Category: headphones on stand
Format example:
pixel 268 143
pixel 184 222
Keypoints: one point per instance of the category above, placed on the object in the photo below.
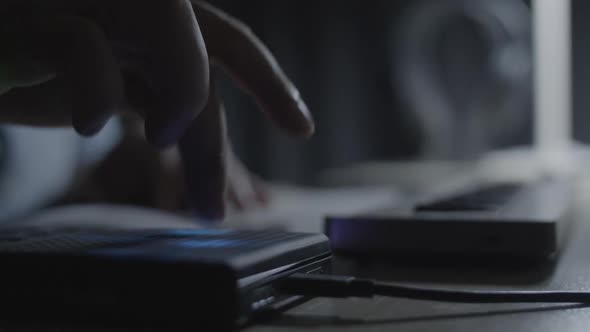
pixel 464 111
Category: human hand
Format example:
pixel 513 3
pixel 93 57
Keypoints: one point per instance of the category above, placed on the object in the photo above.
pixel 78 62
pixel 135 174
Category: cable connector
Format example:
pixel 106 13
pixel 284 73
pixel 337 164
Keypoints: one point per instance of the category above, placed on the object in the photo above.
pixel 323 285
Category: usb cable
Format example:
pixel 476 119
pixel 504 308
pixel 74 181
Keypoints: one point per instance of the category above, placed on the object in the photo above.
pixel 318 285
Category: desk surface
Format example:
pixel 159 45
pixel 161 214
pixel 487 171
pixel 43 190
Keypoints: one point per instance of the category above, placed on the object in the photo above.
pixel 570 272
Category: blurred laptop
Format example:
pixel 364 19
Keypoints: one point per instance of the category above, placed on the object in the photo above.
pixel 512 203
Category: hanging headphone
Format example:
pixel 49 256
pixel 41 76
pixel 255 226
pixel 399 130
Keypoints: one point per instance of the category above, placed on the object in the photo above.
pixel 497 106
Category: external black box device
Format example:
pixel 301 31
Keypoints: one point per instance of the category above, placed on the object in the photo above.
pixel 218 279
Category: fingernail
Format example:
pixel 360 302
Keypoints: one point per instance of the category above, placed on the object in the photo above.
pixel 308 126
pixel 303 123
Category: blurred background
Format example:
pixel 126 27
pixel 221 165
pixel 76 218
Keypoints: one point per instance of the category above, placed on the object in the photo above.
pixel 390 80
pixel 404 80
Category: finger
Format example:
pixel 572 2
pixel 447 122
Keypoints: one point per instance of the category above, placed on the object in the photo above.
pixel 202 149
pixel 170 187
pixel 174 61
pixel 239 186
pixel 263 194
pixel 82 58
pixel 235 200
pixel 47 104
pixel 245 190
pixel 245 57
pixel 247 193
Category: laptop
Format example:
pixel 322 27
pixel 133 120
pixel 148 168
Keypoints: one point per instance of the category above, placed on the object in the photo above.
pixel 502 217
pixel 513 220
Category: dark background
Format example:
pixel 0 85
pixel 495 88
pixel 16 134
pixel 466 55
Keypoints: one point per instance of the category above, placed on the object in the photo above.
pixel 337 54
pixel 340 55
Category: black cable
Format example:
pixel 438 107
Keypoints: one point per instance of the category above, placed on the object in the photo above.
pixel 342 287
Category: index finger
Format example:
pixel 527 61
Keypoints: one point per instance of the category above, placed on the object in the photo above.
pixel 232 45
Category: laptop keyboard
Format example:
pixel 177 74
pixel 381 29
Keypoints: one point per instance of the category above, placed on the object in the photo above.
pixel 64 241
pixel 483 199
pixel 60 243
